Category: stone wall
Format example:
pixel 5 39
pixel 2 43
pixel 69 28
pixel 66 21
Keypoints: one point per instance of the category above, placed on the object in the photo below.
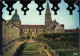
pixel 3 31
pixel 10 32
pixel 11 48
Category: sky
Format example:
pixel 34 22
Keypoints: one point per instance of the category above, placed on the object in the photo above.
pixel 32 16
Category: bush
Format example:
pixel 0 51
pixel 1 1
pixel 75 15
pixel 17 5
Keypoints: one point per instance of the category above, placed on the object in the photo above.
pixel 71 39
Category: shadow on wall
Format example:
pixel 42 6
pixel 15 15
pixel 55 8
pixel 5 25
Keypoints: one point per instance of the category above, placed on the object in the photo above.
pixel 19 50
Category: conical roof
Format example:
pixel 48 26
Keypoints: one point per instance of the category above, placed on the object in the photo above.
pixel 15 17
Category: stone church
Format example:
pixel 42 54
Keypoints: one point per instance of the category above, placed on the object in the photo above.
pixel 49 27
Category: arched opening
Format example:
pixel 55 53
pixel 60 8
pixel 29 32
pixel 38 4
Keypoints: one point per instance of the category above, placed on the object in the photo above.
pixel 36 31
pixel 25 33
pixel 29 30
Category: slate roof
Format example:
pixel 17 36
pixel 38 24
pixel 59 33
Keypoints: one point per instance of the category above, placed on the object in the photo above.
pixel 15 17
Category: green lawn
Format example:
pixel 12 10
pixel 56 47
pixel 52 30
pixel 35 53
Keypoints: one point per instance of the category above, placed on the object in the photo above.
pixel 31 49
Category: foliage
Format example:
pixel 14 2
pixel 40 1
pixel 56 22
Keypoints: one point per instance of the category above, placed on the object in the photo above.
pixel 28 37
pixel 66 53
pixel 54 45
pixel 40 37
pixel 69 39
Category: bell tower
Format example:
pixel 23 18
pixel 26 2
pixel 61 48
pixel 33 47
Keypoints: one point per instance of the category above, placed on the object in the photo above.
pixel 48 16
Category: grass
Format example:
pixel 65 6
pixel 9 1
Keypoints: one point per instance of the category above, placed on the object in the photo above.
pixel 31 49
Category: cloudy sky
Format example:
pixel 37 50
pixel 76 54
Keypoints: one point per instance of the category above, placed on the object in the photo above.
pixel 33 17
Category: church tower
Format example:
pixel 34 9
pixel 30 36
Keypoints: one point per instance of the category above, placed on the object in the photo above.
pixel 15 19
pixel 48 16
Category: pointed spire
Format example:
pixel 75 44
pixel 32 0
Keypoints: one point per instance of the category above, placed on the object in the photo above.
pixel 47 4
pixel 47 8
pixel 16 11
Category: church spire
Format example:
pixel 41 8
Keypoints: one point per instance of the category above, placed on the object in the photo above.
pixel 16 11
pixel 48 19
pixel 47 8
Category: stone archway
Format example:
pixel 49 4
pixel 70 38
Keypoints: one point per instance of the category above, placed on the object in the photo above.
pixel 33 33
pixel 25 33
